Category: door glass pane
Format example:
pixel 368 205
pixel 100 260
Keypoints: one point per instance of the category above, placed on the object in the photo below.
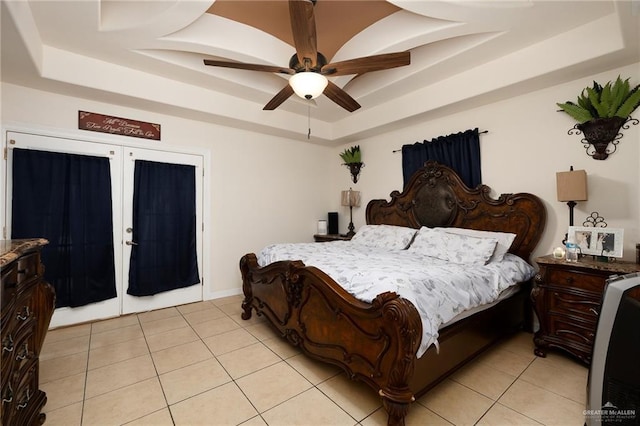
pixel 66 198
pixel 163 252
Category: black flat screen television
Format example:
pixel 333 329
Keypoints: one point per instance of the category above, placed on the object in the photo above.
pixel 613 388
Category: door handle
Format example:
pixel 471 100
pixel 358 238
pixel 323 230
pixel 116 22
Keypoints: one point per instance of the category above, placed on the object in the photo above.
pixel 131 243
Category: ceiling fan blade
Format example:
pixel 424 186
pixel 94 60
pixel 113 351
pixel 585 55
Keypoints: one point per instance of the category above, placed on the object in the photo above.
pixel 339 96
pixel 279 98
pixel 250 67
pixel 367 64
pixel 303 26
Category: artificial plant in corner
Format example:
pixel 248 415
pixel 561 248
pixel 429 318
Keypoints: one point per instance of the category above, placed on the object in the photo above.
pixel 601 111
pixel 352 158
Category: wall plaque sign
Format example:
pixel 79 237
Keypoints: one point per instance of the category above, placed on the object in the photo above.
pixel 117 126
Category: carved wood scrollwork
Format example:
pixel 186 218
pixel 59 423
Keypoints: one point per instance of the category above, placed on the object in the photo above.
pixel 401 312
pixel 377 342
pixel 365 343
pixel 437 197
pixel 293 288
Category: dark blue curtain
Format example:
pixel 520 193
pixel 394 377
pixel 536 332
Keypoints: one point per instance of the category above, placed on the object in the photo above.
pixel 460 151
pixel 66 198
pixel 164 228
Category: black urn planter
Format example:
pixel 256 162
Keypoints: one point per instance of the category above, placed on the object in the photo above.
pixel 599 133
pixel 354 168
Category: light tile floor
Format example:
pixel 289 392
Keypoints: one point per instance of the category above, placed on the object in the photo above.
pixel 201 364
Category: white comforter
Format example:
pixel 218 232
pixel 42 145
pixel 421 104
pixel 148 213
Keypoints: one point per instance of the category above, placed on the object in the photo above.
pixel 439 290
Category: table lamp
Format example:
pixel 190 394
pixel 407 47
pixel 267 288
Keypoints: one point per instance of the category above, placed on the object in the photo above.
pixel 351 198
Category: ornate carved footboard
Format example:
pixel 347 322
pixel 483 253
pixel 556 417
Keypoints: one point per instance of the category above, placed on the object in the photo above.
pixel 377 342
pixel 373 342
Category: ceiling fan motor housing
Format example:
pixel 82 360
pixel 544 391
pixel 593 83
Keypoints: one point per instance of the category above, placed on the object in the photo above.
pixel 295 64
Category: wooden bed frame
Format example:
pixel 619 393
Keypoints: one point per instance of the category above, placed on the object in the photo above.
pixel 377 342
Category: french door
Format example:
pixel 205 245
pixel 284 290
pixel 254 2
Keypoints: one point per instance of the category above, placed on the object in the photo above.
pixel 122 167
pixel 134 159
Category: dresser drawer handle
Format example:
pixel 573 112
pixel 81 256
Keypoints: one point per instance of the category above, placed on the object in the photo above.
pixel 569 280
pixel 8 395
pixel 25 316
pixel 8 346
pixel 24 402
pixel 596 313
pixel 24 354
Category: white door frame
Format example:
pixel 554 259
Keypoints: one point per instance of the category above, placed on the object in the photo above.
pixel 122 142
pixel 131 304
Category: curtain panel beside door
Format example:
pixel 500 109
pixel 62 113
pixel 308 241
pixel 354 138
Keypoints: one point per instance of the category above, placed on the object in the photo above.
pixel 66 198
pixel 163 252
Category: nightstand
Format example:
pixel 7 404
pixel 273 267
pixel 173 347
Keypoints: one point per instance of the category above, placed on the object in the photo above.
pixel 566 298
pixel 323 238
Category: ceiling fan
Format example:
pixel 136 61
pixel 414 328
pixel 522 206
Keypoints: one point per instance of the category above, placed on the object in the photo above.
pixel 308 67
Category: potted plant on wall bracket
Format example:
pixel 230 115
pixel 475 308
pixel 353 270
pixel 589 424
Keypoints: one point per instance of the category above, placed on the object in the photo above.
pixel 600 112
pixel 352 158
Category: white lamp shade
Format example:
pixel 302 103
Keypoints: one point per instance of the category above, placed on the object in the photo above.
pixel 351 198
pixel 308 84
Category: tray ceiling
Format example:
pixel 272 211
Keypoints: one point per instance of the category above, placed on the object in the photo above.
pixel 148 54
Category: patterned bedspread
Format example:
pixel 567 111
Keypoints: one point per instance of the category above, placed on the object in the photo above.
pixel 438 289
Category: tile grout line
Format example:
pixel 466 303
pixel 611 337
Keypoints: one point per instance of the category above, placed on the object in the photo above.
pixel 287 361
pixel 86 375
pixel 157 375
pixel 233 380
pixel 507 389
pixel 260 414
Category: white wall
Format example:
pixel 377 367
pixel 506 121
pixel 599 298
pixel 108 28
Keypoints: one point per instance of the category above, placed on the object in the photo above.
pixel 265 189
pixel 262 189
pixel 526 145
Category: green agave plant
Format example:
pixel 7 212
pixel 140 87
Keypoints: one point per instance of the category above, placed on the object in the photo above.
pixel 611 100
pixel 351 155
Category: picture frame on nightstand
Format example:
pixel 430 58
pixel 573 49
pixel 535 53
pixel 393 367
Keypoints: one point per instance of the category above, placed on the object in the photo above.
pixel 606 242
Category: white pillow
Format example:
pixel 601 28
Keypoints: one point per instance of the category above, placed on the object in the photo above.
pixel 384 236
pixel 455 248
pixel 505 239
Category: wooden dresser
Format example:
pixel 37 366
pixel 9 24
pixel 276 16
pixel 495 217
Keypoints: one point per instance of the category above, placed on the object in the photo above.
pixel 27 306
pixel 566 298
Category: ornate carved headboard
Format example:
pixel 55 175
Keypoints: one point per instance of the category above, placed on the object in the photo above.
pixel 436 197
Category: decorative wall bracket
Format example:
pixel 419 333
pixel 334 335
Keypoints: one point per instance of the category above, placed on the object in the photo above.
pixel 601 135
pixel 595 220
pixel 354 168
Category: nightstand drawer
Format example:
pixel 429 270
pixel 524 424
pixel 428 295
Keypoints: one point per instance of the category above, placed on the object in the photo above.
pixel 566 299
pixel 570 330
pixel 574 304
pixel 576 279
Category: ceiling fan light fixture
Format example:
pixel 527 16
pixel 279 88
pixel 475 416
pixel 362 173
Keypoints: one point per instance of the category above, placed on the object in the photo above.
pixel 308 84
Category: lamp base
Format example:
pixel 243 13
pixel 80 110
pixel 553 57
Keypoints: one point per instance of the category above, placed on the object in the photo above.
pixel 351 228
pixel 571 205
